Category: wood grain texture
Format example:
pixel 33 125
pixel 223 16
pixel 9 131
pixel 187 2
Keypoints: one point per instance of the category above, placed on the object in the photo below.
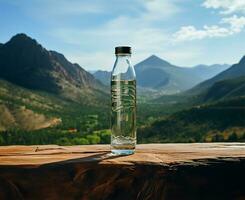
pixel 155 171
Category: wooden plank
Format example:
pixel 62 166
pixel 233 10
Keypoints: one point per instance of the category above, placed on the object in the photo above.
pixel 155 171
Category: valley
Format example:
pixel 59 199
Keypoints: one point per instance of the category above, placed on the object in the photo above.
pixel 46 99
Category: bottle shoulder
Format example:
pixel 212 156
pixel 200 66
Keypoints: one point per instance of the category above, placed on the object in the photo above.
pixel 123 69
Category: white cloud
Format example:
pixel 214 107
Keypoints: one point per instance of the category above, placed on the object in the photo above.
pixel 236 23
pixel 187 33
pixel 191 33
pixel 228 6
pixel 227 25
pixel 87 31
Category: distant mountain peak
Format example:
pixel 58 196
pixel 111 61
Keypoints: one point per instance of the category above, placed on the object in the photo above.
pixel 21 40
pixel 22 37
pixel 154 60
pixel 242 61
pixel 153 57
pixel 23 61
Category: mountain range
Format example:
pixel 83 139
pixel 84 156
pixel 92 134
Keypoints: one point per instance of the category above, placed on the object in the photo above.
pixel 214 111
pixel 42 87
pixel 226 84
pixel 235 71
pixel 157 74
pixel 24 62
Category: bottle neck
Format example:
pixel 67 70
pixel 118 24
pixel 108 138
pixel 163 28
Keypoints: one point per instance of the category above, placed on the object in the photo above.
pixel 123 56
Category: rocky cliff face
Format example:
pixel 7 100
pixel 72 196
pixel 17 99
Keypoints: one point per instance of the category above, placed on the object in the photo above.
pixel 25 62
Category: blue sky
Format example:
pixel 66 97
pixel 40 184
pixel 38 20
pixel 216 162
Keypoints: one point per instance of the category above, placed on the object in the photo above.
pixel 184 32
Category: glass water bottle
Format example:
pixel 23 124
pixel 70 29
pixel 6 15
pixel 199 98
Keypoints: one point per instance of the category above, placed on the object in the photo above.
pixel 123 103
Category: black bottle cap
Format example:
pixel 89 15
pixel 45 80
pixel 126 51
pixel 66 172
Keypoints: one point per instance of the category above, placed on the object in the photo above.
pixel 123 50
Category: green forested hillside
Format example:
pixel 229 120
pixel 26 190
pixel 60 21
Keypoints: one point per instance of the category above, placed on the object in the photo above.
pixel 33 117
pixel 220 121
pixel 220 90
pixel 225 89
pixel 16 102
pixel 42 92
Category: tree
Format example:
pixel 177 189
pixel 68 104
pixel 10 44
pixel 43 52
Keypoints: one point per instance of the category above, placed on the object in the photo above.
pixel 93 139
pixel 232 137
pixel 80 141
pixel 63 141
pixel 105 137
pixel 2 141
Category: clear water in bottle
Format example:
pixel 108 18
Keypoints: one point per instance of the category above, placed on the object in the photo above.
pixel 123 115
pixel 123 106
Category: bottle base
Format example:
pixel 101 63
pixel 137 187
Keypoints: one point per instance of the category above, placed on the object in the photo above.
pixel 122 151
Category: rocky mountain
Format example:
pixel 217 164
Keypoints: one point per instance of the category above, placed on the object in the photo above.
pixel 42 89
pixel 24 62
pixel 159 74
pixel 156 74
pixel 21 108
pixel 226 85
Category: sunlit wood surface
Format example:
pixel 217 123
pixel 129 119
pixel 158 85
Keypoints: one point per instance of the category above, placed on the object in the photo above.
pixel 155 171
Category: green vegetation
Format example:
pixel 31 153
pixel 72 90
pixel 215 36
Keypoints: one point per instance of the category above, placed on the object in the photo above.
pixel 170 121
pixel 150 112
pixel 225 89
pixel 54 136
pixel 216 122
pixel 75 123
pixel 73 115
pixel 79 124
